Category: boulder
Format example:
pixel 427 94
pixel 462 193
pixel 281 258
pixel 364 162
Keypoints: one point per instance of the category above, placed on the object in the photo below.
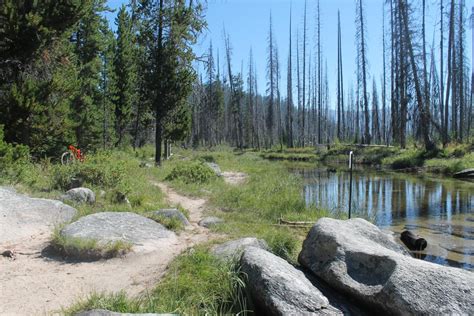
pixel 233 249
pixel 278 288
pixel 25 216
pixel 79 195
pixel 215 167
pixel 358 259
pixel 103 312
pixel 172 213
pixel 108 227
pixel 210 221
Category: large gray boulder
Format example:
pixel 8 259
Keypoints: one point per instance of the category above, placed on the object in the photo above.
pixel 108 227
pixel 22 216
pixel 210 221
pixel 278 288
pixel 79 195
pixel 357 259
pixel 233 249
pixel 171 213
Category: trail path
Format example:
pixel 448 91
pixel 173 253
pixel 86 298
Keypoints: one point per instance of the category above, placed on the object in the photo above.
pixel 39 283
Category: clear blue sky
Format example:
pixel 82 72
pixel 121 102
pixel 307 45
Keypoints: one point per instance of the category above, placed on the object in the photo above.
pixel 247 23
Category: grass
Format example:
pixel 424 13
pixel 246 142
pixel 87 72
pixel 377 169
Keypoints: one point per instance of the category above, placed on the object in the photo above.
pixel 172 223
pixel 197 284
pixel 89 249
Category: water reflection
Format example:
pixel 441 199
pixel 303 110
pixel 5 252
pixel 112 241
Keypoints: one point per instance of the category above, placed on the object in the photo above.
pixel 439 210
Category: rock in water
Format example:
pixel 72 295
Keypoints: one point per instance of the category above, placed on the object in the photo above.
pixel 233 249
pixel 132 228
pixel 413 241
pixel 356 258
pixel 172 213
pixel 210 221
pixel 23 217
pixel 278 288
pixel 215 167
pixel 80 195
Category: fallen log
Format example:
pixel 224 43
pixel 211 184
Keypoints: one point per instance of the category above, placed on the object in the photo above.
pixel 413 241
pixel 466 173
pixel 282 222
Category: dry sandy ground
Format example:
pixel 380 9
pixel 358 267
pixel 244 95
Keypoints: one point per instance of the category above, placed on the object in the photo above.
pixel 38 283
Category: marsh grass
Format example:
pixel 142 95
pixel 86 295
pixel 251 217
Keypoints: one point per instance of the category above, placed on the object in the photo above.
pixel 88 249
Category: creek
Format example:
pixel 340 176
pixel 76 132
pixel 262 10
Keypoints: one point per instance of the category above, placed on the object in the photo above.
pixel 441 210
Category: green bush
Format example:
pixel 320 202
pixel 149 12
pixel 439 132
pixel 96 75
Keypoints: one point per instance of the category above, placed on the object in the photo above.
pixel 192 172
pixel 14 159
pixel 101 170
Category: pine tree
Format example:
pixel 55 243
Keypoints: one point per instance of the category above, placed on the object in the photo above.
pixel 89 43
pixel 125 72
pixel 38 76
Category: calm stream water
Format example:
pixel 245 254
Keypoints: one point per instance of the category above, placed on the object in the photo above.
pixel 439 210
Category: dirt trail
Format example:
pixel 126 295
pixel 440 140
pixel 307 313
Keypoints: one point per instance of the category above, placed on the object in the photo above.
pixel 38 283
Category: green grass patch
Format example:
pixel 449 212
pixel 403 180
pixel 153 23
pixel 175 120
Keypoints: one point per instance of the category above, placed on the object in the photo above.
pixel 171 223
pixel 88 249
pixel 451 165
pixel 191 172
pixel 197 283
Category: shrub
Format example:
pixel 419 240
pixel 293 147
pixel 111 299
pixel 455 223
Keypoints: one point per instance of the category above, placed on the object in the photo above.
pixel 100 170
pixel 192 172
pixel 14 159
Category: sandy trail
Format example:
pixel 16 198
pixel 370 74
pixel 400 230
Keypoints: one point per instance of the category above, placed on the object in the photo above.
pixel 39 283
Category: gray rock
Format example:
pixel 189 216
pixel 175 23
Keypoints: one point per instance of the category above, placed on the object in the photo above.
pixel 22 216
pixel 210 221
pixel 233 249
pixel 172 213
pixel 356 258
pixel 215 167
pixel 278 288
pixel 106 227
pixel 79 195
pixel 145 165
pixel 103 312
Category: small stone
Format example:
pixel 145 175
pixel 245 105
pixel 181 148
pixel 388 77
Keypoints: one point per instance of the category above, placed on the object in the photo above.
pixel 210 221
pixel 172 213
pixel 79 195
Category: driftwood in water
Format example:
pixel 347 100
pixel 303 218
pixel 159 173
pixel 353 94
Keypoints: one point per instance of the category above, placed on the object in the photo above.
pixel 413 241
pixel 467 173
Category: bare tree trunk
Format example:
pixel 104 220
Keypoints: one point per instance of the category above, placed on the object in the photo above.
pixel 304 79
pixel 425 118
pixel 289 99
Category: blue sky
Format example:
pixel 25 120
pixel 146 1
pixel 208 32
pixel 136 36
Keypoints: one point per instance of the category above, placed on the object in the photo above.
pixel 247 23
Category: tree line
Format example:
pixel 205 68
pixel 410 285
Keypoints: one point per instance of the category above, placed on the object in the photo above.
pixel 424 93
pixel 67 78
